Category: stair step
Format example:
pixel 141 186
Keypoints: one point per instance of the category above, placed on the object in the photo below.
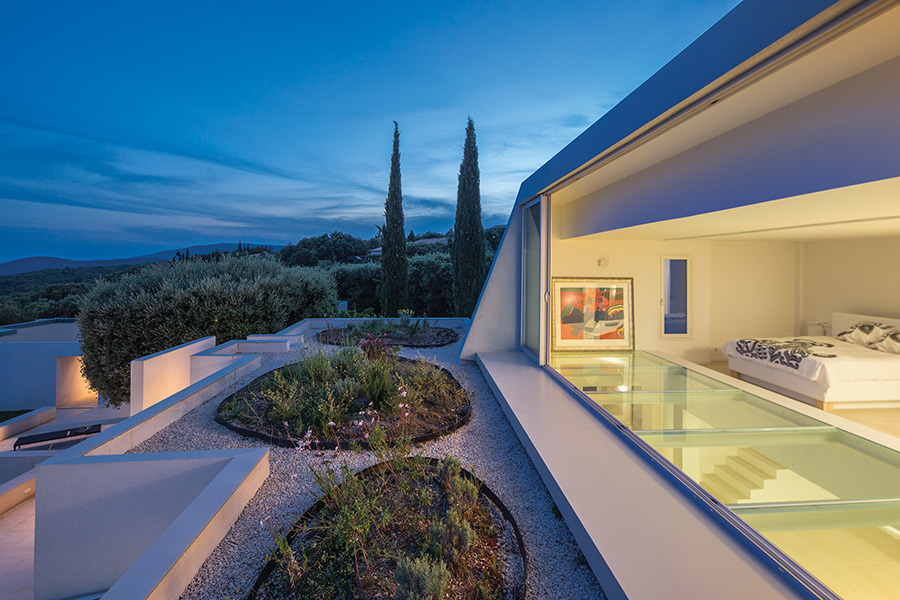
pixel 761 462
pixel 736 480
pixel 748 470
pixel 720 489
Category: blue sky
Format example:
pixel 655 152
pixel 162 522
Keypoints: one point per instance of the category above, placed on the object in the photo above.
pixel 132 127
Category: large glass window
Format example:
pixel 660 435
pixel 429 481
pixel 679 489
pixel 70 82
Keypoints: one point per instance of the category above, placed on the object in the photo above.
pixel 675 296
pixel 531 274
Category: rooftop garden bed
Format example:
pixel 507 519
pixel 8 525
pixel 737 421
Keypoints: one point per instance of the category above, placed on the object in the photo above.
pixel 407 528
pixel 337 400
pixel 405 331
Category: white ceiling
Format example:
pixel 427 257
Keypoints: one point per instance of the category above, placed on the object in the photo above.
pixel 866 210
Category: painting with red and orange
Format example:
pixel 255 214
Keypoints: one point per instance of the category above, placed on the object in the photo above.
pixel 582 305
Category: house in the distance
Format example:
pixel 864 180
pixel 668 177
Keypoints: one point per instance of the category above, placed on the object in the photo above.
pixel 750 189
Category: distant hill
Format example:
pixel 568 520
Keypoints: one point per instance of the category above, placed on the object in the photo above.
pixel 39 263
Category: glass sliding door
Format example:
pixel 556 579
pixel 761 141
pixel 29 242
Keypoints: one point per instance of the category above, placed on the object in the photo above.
pixel 532 278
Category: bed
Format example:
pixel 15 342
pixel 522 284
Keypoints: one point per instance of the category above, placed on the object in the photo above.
pixel 821 370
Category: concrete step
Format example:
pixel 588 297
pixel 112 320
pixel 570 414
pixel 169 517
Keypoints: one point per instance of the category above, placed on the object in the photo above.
pixel 736 480
pixel 748 470
pixel 761 462
pixel 720 489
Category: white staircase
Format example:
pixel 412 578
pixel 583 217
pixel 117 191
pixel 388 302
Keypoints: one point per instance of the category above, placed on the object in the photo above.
pixel 750 477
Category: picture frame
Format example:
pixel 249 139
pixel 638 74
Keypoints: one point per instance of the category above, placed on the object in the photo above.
pixel 592 313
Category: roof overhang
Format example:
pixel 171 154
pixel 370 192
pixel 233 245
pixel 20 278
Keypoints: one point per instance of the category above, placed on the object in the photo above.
pixel 760 56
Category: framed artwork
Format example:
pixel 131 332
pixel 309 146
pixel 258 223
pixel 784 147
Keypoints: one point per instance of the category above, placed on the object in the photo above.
pixel 592 314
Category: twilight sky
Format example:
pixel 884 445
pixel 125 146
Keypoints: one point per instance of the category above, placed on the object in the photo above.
pixel 130 127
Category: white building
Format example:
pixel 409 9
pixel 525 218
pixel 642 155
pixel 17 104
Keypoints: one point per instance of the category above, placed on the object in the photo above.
pixel 749 189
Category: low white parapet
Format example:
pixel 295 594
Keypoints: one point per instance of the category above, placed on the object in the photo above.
pixel 137 525
pixel 159 375
pixel 29 420
pixel 17 476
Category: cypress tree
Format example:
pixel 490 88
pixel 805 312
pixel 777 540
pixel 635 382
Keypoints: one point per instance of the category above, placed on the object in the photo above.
pixel 467 251
pixel 394 262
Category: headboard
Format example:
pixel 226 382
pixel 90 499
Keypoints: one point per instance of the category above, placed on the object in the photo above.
pixel 844 321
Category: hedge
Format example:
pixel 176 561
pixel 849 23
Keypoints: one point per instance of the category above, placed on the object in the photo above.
pixel 359 285
pixel 165 305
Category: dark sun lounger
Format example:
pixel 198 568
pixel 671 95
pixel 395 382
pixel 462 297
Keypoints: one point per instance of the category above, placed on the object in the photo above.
pixel 62 434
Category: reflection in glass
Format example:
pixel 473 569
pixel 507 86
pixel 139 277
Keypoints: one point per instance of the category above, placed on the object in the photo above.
pixel 675 296
pixel 531 331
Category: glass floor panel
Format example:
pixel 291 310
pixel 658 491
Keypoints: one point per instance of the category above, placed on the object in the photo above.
pixel 827 498
pixel 852 548
pixel 680 411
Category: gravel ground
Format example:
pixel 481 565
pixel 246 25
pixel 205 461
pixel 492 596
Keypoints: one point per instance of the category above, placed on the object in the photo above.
pixel 486 445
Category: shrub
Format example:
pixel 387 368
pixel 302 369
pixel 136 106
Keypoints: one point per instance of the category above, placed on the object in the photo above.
pixel 165 305
pixel 380 388
pixel 418 579
pixel 430 292
pixel 450 537
pixel 359 285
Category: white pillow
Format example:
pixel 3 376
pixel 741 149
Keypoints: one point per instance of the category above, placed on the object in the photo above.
pixel 864 333
pixel 890 342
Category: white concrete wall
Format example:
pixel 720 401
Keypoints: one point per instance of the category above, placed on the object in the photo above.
pixel 642 261
pixel 855 276
pixel 94 518
pixel 29 420
pixel 13 464
pixel 497 318
pixel 753 291
pixel 162 374
pixel 192 537
pixel 71 386
pixel 28 372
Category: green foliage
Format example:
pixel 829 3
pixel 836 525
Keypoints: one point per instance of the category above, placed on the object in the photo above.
pixel 346 390
pixel 359 286
pixel 468 241
pixel 348 362
pixel 165 305
pixel 463 492
pixel 47 278
pixel 448 469
pixel 426 249
pixel 450 537
pixel 380 388
pixel 320 393
pixel 329 247
pixel 6 415
pixel 44 301
pixel 375 348
pixel 418 579
pixel 428 278
pixel 317 369
pixel 394 261
pixel 492 238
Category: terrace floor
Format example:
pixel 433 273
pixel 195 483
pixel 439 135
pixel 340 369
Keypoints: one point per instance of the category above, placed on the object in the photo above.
pixel 17 557
pixel 17 524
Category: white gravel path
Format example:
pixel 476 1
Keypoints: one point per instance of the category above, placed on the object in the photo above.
pixel 486 445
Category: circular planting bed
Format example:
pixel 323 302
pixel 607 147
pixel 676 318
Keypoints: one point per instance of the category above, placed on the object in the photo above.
pixel 410 527
pixel 348 399
pixel 412 333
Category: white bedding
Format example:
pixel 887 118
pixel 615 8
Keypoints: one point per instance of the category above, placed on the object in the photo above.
pixel 839 361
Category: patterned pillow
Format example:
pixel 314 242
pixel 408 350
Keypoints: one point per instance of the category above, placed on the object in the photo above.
pixel 890 342
pixel 864 333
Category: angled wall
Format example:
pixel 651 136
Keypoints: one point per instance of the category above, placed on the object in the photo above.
pixel 497 317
